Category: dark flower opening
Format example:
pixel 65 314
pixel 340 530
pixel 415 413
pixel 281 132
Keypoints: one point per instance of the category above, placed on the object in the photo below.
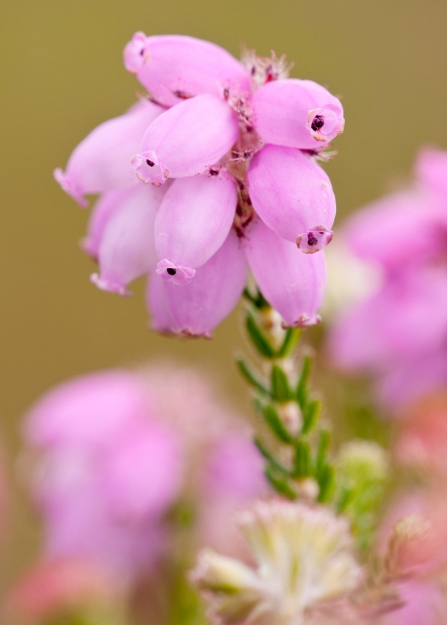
pixel 317 122
pixel 171 271
pixel 150 163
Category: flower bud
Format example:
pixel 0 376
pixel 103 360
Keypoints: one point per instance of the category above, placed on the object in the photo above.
pixel 292 195
pixel 193 221
pixel 187 140
pixel 101 162
pixel 292 283
pixel 127 249
pixel 195 309
pixel 297 113
pixel 176 67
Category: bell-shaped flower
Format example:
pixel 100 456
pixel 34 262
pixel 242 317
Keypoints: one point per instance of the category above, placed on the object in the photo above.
pixel 194 220
pixel 297 113
pixel 293 196
pixel 195 309
pixel 101 162
pixel 294 284
pixel 186 140
pixel 127 249
pixel 177 67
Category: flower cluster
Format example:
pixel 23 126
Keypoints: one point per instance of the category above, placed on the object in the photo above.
pixel 108 465
pixel 399 332
pixel 214 172
pixel 303 556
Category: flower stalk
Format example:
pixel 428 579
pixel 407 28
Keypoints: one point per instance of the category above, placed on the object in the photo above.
pixel 297 459
pixel 296 445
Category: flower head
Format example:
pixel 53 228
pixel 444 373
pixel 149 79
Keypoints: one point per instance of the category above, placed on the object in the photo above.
pixel 110 455
pixel 303 557
pixel 211 174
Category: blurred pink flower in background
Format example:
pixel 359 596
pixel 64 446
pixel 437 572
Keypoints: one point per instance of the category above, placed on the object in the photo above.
pixel 222 469
pixel 424 604
pixel 226 155
pixel 422 439
pixel 107 471
pixel 399 333
pixel 111 454
pixel 412 537
pixel 61 589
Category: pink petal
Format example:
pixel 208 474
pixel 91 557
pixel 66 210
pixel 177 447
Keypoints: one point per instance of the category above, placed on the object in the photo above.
pixel 101 162
pixel 411 379
pixel 423 604
pixel 235 469
pixel 195 309
pixel 176 67
pixel 127 247
pixel 292 195
pixel 87 410
pixel 141 472
pixel 103 210
pixel 78 523
pixel 294 284
pixel 401 229
pixel 406 319
pixel 186 140
pixel 194 220
pixel 297 113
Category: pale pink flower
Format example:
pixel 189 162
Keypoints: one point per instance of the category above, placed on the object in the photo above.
pixel 110 455
pixel 399 332
pixel 237 143
pixel 106 471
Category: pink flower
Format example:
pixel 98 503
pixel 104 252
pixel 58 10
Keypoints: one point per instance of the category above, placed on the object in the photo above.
pixel 237 144
pixel 107 471
pixel 101 162
pixel 110 455
pixel 399 333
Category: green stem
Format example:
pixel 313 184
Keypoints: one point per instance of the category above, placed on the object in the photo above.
pixel 295 447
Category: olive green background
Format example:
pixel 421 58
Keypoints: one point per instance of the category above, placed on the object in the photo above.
pixel 62 74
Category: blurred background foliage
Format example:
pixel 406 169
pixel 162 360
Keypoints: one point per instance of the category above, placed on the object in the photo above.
pixel 62 74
